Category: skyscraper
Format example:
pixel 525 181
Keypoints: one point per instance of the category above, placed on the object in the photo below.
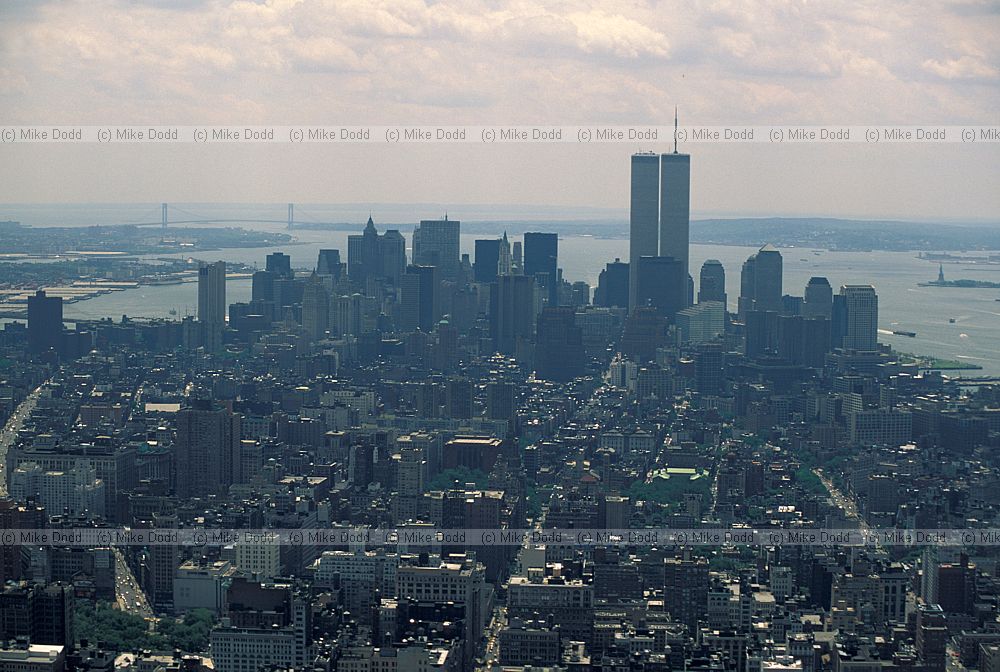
pixel 644 215
pixel 505 261
pixel 512 312
pixel 315 308
pixel 206 450
pixel 420 300
pixel 675 206
pixel 212 294
pixel 613 285
pixel 712 282
pixel 436 243
pixel 861 307
pixel 392 250
pixel 818 298
pixel 760 282
pixel 45 314
pixel 559 354
pixel 328 263
pixel 541 254
pixel 659 212
pixel 280 264
pixel 487 260
pixel 662 284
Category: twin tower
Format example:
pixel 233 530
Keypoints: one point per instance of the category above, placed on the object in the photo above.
pixel 660 215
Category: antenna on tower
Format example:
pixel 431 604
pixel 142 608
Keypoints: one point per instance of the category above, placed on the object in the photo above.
pixel 675 129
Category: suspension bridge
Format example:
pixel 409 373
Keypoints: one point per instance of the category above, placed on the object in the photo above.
pixel 172 214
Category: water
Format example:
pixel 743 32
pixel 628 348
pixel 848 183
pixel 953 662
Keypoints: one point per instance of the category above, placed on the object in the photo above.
pixel 974 337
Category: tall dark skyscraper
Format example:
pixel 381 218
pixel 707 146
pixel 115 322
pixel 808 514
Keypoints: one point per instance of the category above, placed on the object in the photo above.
pixel 760 282
pixel 420 300
pixel 212 303
pixel 662 284
pixel 329 263
pixel 613 285
pixel 659 211
pixel 371 255
pixel 487 260
pixel 559 353
pixel 315 308
pixel 212 293
pixel 675 207
pixel 280 264
pixel 207 449
pixel 392 250
pixel 818 298
pixel 644 215
pixel 541 261
pixel 712 282
pixel 436 243
pixel 512 312
pixel 45 314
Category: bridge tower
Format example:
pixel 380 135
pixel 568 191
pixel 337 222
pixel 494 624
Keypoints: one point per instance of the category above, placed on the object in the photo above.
pixel 163 214
pixel 291 215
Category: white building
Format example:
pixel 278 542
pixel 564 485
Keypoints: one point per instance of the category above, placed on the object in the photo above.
pixel 76 491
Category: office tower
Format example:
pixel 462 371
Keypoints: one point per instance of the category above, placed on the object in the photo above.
pixel 512 312
pixel 675 207
pixel 712 282
pixel 212 302
pixel 661 284
pixel 206 449
pixel 644 216
pixel 861 309
pixel 436 243
pixel 838 321
pixel 262 286
pixel 709 362
pixel 500 400
pixel 685 590
pixel 760 333
pixel 705 321
pixel 517 257
pixel 280 264
pixel 645 331
pixel 463 584
pixel 559 354
pixel 315 308
pixel 760 282
pixel 613 285
pixel 329 264
pixel 487 261
pixel 580 294
pixel 392 250
pixel 541 253
pixel 458 398
pixel 791 305
pixel 363 261
pixel 816 341
pixel 420 298
pixel 932 637
pixel 505 262
pixel 45 314
pixel 659 212
pixel 817 300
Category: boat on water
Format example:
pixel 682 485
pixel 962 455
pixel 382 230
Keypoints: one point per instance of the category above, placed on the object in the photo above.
pixel 903 332
pixel 951 320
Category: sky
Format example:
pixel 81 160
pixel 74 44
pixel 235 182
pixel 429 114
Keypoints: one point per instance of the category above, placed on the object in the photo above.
pixel 286 62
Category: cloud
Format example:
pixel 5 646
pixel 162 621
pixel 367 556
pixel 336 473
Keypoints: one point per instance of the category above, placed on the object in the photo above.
pixel 479 61
pixel 963 67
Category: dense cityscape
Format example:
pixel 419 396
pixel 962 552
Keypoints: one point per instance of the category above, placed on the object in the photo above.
pixel 287 483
